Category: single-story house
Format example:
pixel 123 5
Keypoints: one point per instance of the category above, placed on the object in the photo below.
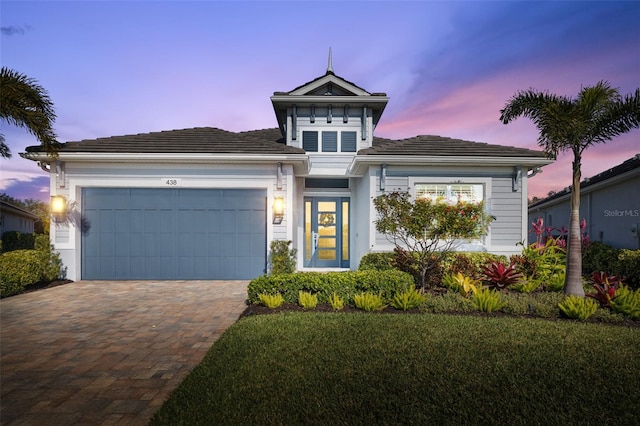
pixel 205 203
pixel 609 203
pixel 14 218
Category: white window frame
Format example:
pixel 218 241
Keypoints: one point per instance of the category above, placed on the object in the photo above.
pixel 330 128
pixel 486 182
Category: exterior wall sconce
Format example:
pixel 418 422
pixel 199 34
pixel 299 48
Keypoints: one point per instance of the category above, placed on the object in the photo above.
pixel 58 206
pixel 278 210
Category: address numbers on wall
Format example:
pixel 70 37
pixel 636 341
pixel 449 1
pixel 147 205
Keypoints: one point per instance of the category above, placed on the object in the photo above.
pixel 172 182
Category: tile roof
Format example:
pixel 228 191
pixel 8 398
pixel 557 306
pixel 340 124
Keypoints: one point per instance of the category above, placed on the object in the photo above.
pixel 429 145
pixel 196 140
pixel 270 141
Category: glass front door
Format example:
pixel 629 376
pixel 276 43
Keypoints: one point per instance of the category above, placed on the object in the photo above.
pixel 326 232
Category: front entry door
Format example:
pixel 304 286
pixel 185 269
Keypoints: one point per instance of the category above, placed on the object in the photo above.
pixel 326 232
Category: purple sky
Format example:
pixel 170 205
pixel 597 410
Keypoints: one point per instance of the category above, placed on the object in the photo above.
pixel 115 68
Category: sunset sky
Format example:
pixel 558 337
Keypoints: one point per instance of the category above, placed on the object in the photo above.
pixel 116 67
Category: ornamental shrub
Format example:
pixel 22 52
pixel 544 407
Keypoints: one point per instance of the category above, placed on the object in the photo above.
pixel 283 258
pixel 343 284
pixel 428 229
pixel 627 302
pixel 336 302
pixel 409 299
pixel 271 301
pixel 622 262
pixel 628 266
pixel 368 301
pixel 307 300
pixel 21 268
pixel 486 300
pixel 599 256
pixel 14 240
pixel 377 261
pixel 575 307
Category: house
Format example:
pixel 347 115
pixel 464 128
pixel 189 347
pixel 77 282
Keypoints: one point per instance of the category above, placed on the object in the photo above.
pixel 205 203
pixel 14 218
pixel 609 203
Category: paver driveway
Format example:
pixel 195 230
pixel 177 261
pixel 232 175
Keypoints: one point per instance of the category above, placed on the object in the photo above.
pixel 103 352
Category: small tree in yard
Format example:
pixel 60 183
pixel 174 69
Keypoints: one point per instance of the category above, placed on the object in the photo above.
pixel 428 229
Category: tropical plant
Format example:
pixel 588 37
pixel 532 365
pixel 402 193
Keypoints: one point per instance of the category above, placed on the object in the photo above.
pixel 271 301
pixel 427 229
pixel 576 307
pixel 369 302
pixel 627 302
pixel 24 103
pixel 605 287
pixel 462 284
pixel 487 300
pixel 496 274
pixel 409 299
pixel 597 115
pixel 283 258
pixel 527 285
pixel 336 302
pixel 307 300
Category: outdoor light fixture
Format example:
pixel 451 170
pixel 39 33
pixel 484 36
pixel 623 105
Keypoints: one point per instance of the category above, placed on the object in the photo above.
pixel 58 205
pixel 278 210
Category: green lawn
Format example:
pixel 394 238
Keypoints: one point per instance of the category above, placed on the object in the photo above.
pixel 422 369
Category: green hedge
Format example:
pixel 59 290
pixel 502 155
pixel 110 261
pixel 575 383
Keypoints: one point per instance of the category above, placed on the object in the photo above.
pixel 344 284
pixel 622 262
pixel 20 268
pixel 14 240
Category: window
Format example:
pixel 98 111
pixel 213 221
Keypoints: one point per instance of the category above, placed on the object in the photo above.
pixel 326 183
pixel 348 141
pixel 451 193
pixel 310 141
pixel 329 141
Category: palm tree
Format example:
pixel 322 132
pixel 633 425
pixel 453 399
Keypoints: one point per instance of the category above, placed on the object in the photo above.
pixel 597 115
pixel 24 103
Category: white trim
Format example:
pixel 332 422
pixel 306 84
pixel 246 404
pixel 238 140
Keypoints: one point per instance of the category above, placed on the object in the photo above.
pixel 360 163
pixel 75 194
pixel 300 162
pixel 485 240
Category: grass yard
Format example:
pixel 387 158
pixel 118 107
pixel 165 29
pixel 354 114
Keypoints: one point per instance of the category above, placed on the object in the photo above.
pixel 423 369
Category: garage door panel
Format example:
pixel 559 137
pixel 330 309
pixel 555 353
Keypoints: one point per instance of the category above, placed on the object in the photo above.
pixel 174 233
pixel 112 198
pixel 122 244
pixel 166 247
pixel 122 221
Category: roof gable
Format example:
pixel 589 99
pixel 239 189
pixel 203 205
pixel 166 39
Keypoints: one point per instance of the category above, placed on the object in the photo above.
pixel 327 85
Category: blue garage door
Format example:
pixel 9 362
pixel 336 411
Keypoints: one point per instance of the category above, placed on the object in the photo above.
pixel 169 234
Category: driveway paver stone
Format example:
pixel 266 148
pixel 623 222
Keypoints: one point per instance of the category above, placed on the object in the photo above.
pixel 106 352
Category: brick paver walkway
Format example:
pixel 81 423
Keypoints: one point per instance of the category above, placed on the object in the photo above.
pixel 101 352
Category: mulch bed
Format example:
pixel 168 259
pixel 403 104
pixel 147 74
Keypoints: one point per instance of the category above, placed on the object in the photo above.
pixel 42 285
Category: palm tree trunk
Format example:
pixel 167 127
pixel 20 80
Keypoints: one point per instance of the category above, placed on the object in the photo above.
pixel 573 279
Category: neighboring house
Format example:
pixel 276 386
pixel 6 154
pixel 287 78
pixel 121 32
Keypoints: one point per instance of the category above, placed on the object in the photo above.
pixel 14 218
pixel 204 203
pixel 609 203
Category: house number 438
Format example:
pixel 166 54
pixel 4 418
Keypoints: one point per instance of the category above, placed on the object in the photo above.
pixel 172 181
